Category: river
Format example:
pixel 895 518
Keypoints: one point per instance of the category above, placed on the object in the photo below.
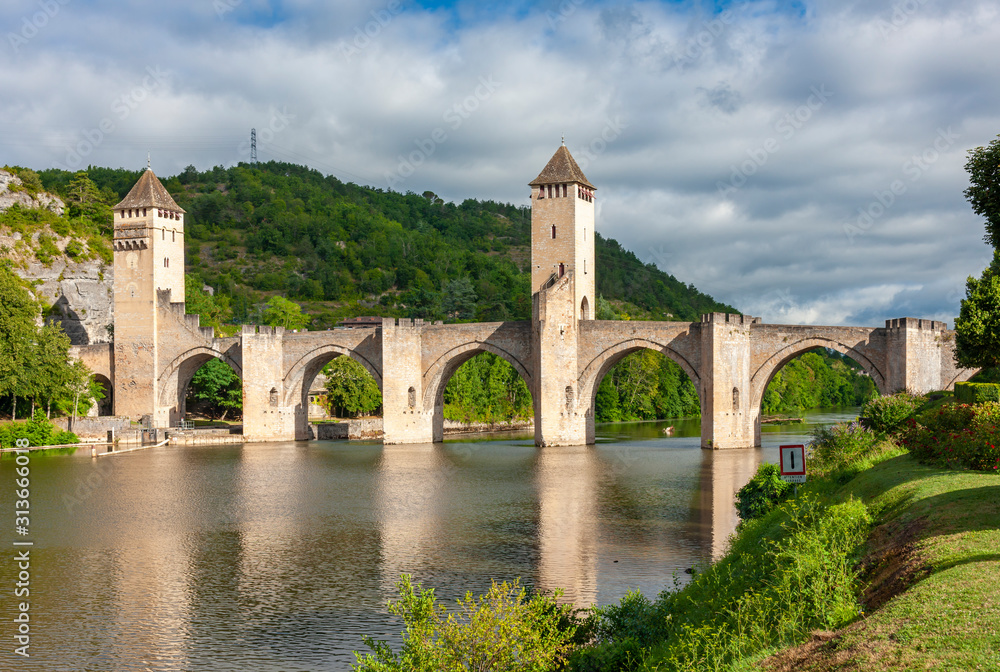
pixel 280 556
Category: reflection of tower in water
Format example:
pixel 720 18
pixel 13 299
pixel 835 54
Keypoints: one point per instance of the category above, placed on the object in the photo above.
pixel 408 488
pixel 723 473
pixel 567 529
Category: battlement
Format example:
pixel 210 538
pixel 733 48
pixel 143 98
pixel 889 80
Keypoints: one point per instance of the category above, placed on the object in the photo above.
pixel 729 318
pixel 261 329
pixel 404 322
pixel 915 323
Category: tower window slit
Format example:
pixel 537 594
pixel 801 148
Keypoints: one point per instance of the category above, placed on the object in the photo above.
pixel 553 231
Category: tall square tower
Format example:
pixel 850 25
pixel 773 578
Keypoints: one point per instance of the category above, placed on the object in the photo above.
pixel 562 229
pixel 148 256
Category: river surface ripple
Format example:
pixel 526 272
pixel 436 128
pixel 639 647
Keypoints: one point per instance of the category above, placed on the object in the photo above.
pixel 280 556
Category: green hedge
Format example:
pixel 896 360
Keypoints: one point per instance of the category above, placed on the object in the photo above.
pixel 977 393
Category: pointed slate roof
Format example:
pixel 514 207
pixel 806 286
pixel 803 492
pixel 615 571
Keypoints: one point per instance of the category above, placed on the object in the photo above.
pixel 561 168
pixel 148 192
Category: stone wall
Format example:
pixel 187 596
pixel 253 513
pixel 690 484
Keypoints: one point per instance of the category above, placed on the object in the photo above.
pixel 359 429
pixel 93 428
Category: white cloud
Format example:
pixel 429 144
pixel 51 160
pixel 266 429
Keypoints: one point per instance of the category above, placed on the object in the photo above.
pixel 697 100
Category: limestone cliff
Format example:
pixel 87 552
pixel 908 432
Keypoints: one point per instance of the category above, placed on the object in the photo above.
pixel 79 287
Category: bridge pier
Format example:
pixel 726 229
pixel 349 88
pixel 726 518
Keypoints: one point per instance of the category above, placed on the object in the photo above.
pixel 728 419
pixel 561 415
pixel 265 416
pixel 406 416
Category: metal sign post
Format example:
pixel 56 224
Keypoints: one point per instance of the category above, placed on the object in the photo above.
pixel 793 464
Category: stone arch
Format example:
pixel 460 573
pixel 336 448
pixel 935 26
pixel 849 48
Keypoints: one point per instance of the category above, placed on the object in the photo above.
pixel 177 375
pixel 760 378
pixel 436 378
pixel 105 406
pixel 443 368
pixel 961 376
pixel 301 374
pixel 585 309
pixel 595 371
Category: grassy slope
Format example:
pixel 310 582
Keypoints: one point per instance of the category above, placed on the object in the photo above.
pixel 938 542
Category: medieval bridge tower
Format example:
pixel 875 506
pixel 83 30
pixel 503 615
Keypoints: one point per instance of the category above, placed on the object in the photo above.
pixel 562 353
pixel 148 258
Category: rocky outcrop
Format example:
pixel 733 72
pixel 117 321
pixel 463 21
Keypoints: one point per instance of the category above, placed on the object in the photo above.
pixel 81 295
pixel 12 191
pixel 80 292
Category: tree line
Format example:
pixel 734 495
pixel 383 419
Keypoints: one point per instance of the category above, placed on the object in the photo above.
pixel 343 250
pixel 35 368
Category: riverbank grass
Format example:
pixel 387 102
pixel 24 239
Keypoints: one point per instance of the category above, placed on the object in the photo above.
pixel 880 562
pixel 934 560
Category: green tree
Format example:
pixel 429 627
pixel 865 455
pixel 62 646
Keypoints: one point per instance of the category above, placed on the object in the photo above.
pixel 280 312
pixel 487 389
pixel 350 389
pixel 214 310
pixel 217 385
pixel 459 300
pixel 86 200
pixel 977 328
pixel 34 361
pixel 983 166
pixel 18 311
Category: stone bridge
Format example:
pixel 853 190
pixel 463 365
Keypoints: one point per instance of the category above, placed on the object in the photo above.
pixel 729 358
pixel 561 353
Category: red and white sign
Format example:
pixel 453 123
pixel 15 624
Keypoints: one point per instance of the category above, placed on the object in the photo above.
pixel 793 464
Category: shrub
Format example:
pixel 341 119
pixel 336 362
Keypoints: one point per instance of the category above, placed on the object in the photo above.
pixel 841 444
pixel 37 430
pixel 886 414
pixel 74 249
pixel 787 574
pixel 622 632
pixel 764 491
pixel 502 630
pixel 957 436
pixel 98 246
pixel 977 393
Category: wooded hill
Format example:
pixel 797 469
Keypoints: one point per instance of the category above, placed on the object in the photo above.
pixel 343 250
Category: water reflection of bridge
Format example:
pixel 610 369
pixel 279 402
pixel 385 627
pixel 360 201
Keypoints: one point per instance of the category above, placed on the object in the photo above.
pixel 593 506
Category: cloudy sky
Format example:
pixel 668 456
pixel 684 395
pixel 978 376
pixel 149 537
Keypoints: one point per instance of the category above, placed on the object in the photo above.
pixel 801 161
